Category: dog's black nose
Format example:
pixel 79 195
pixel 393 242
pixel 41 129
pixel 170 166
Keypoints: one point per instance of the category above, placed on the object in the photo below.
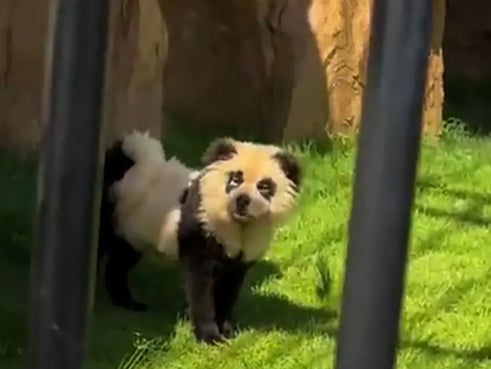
pixel 242 201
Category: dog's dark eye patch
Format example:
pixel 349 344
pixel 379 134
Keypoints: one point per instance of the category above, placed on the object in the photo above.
pixel 235 179
pixel 266 187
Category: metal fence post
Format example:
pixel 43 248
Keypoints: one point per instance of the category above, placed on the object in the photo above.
pixel 62 268
pixel 384 184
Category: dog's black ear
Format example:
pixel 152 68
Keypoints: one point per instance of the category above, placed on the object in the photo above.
pixel 290 166
pixel 220 149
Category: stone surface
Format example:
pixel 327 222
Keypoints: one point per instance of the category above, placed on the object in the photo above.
pixel 134 89
pixel 214 72
pixel 467 55
pixel 286 69
pixel 467 40
pixel 137 53
pixel 307 79
pixel 434 97
pixel 23 27
pixel 340 32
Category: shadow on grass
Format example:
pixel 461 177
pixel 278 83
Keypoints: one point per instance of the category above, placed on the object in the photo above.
pixel 432 242
pixel 448 302
pixel 428 183
pixel 253 310
pixel 471 214
pixel 267 312
pixel 112 330
pixel 17 199
pixel 444 304
pixel 481 354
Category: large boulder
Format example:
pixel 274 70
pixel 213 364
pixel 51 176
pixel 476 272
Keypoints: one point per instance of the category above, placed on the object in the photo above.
pixel 133 95
pixel 22 30
pixel 467 42
pixel 288 68
pixel 137 52
pixel 467 54
pixel 284 69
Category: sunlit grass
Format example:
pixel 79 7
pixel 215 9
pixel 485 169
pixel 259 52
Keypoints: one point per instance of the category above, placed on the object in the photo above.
pixel 288 308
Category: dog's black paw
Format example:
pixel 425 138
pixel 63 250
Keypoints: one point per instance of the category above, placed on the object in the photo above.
pixel 208 333
pixel 228 329
pixel 183 312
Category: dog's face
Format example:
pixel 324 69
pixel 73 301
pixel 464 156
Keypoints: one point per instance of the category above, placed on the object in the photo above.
pixel 249 181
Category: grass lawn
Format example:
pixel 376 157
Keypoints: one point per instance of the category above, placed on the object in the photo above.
pixel 288 308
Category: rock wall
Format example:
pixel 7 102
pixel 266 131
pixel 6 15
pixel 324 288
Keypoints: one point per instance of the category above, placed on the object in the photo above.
pixel 467 55
pixel 283 69
pixel 214 73
pixel 432 114
pixel 137 52
pixel 23 26
pixel 134 88
pixel 467 40
pixel 290 68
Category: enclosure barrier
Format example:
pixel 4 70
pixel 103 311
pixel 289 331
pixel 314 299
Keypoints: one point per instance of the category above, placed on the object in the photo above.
pixel 383 190
pixel 62 265
pixel 67 193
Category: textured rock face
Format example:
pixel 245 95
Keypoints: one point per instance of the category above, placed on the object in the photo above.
pixel 287 69
pixel 214 72
pixel 341 40
pixel 467 54
pixel 432 114
pixel 467 41
pixel 137 53
pixel 257 64
pixel 291 68
pixel 331 73
pixel 134 90
pixel 22 29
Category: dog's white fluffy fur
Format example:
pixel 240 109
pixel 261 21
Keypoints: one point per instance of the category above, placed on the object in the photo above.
pixel 147 197
pixel 256 161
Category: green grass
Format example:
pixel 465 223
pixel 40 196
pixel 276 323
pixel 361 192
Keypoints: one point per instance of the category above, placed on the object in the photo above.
pixel 288 308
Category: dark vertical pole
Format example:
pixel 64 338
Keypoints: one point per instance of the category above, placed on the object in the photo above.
pixel 62 265
pixel 384 184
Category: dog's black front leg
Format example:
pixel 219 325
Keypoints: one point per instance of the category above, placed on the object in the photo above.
pixel 198 279
pixel 122 258
pixel 227 290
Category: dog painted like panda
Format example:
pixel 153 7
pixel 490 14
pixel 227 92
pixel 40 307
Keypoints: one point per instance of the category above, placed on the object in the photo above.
pixel 216 222
pixel 228 218
pixel 140 210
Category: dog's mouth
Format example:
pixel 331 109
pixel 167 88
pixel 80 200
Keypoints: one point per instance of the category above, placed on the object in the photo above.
pixel 242 216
